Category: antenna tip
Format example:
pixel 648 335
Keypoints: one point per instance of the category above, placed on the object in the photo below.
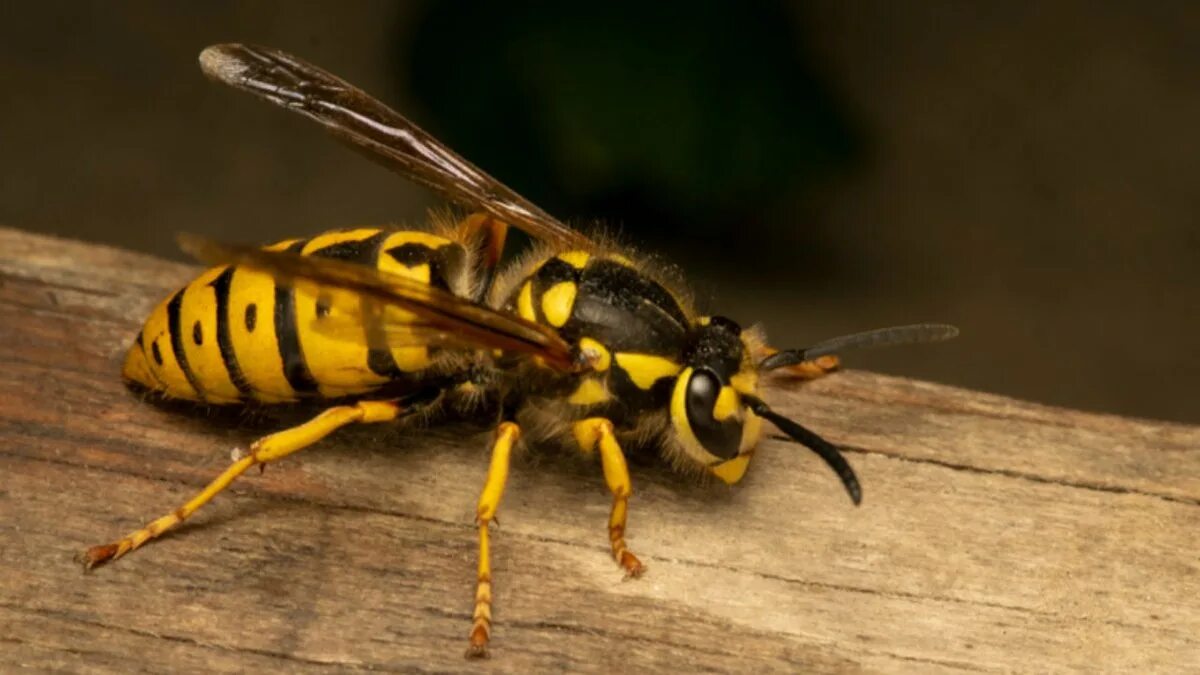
pixel 855 491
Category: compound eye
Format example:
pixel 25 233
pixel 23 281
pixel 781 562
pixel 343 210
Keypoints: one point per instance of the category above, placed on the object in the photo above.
pixel 721 438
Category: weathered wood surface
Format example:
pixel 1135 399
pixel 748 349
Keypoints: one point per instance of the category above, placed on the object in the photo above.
pixel 995 535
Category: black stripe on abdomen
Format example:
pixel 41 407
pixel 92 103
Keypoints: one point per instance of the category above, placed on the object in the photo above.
pixel 295 368
pixel 221 286
pixel 176 332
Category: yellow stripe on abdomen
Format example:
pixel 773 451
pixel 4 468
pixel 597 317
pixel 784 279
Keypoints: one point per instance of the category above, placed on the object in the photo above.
pixel 337 364
pixel 198 338
pixel 408 358
pixel 169 377
pixel 251 318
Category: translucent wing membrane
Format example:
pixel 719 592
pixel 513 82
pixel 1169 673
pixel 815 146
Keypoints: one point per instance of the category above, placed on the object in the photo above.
pixel 411 312
pixel 882 337
pixel 347 317
pixel 355 118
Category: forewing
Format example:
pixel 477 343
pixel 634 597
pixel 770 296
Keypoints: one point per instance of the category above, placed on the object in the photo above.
pixel 354 117
pixel 408 308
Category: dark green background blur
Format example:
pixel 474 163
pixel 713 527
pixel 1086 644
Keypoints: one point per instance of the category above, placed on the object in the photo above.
pixel 1029 171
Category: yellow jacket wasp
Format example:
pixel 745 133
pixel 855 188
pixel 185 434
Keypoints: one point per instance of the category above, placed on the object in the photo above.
pixel 579 343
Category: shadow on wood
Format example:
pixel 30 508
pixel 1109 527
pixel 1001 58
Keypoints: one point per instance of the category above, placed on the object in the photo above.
pixel 994 534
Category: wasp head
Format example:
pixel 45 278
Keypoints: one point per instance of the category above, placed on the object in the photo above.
pixel 710 409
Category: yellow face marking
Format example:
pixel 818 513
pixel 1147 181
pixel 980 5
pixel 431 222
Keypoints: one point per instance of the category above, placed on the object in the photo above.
pixel 597 353
pixel 589 392
pixel 726 405
pixel 646 369
pixel 558 301
pixel 525 302
pixel 731 471
pixel 576 259
pixel 751 432
pixel 679 419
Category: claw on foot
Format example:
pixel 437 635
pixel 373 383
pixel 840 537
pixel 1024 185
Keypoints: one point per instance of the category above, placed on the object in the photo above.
pixel 478 652
pixel 97 555
pixel 478 649
pixel 632 566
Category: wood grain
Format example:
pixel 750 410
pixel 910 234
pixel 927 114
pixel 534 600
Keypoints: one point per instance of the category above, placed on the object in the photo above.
pixel 995 535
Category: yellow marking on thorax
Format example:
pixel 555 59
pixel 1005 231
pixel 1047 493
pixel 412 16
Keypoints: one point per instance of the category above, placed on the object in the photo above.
pixel 646 369
pixel 557 303
pixel 597 354
pixel 256 350
pixel 198 318
pixel 726 405
pixel 589 392
pixel 339 237
pixel 525 302
pixel 576 259
pixel 156 337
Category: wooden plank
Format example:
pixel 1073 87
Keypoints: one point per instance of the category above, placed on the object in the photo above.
pixel 995 535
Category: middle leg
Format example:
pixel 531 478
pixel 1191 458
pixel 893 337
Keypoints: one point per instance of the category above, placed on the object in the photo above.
pixel 507 435
pixel 597 433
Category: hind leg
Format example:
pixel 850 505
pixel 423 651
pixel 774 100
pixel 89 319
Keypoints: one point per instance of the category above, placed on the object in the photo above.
pixel 267 449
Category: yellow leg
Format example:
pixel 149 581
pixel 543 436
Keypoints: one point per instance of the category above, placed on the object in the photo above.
pixel 597 432
pixel 809 370
pixel 489 500
pixel 267 449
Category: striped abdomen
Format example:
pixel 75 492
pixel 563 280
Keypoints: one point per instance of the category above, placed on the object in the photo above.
pixel 233 335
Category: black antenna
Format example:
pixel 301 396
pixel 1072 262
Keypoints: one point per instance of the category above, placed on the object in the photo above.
pixel 880 337
pixel 826 450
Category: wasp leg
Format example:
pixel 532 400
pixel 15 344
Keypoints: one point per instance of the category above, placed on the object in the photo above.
pixel 494 233
pixel 810 370
pixel 489 500
pixel 266 449
pixel 597 432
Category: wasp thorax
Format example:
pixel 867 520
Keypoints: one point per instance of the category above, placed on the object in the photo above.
pixel 712 423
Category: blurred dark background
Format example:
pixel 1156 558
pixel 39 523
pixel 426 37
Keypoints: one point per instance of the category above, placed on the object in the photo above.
pixel 1029 171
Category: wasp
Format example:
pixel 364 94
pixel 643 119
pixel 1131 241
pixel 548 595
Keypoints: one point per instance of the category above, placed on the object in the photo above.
pixel 579 343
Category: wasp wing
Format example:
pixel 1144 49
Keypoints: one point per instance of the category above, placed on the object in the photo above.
pixel 417 310
pixel 355 118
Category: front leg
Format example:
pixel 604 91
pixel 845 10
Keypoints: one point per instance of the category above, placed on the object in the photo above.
pixel 597 432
